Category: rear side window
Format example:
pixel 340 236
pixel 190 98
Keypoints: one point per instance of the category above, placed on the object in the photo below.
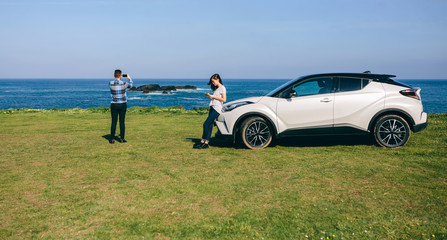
pixel 351 84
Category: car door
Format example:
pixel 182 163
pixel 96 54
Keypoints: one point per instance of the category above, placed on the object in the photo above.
pixel 306 107
pixel 356 102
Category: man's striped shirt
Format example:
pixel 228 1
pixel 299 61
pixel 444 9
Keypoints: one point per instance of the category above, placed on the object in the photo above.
pixel 118 90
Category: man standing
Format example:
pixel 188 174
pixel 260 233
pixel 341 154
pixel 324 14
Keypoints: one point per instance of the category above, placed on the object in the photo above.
pixel 118 106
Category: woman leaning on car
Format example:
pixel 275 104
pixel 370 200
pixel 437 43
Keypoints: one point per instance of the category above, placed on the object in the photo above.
pixel 218 97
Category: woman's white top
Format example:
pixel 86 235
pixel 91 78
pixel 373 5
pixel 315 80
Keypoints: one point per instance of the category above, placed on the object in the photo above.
pixel 216 104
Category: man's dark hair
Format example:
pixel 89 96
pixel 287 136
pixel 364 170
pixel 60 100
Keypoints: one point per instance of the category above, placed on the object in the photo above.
pixel 117 73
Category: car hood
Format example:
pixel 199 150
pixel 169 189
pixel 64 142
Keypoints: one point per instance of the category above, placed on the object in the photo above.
pixel 250 99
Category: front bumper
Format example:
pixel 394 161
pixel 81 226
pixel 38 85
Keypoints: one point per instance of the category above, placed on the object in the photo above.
pixel 222 126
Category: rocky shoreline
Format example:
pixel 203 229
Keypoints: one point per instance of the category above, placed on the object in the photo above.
pixel 157 88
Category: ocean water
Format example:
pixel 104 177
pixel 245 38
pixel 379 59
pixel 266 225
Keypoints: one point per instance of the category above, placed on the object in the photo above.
pixel 88 93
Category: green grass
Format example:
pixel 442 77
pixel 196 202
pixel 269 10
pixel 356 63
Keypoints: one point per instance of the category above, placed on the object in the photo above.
pixel 60 178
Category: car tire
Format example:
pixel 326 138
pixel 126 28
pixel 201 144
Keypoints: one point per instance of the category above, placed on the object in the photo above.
pixel 256 133
pixel 391 131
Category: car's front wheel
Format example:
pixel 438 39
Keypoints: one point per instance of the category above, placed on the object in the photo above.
pixel 256 133
pixel 391 131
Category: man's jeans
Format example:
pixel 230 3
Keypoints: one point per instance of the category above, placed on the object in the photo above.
pixel 118 109
pixel 209 123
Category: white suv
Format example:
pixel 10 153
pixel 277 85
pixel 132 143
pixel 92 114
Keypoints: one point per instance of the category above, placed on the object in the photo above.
pixel 327 104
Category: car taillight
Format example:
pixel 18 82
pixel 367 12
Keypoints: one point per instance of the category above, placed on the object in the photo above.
pixel 412 92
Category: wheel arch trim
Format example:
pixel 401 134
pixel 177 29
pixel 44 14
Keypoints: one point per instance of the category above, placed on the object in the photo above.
pixel 407 117
pixel 244 116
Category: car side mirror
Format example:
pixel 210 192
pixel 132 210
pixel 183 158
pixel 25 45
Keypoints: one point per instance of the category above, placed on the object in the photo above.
pixel 291 94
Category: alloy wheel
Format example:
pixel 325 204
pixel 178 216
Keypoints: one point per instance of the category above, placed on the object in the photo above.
pixel 392 131
pixel 257 134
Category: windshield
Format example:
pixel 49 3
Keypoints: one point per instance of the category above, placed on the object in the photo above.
pixel 280 87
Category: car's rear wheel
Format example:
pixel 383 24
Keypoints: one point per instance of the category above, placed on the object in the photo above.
pixel 391 131
pixel 256 133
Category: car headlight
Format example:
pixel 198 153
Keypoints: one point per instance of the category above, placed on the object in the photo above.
pixel 232 106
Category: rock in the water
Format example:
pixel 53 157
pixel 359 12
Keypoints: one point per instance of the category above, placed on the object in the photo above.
pixel 149 88
pixel 165 89
pixel 168 88
pixel 186 87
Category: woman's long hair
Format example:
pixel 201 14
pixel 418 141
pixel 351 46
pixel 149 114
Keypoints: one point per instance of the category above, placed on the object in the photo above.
pixel 215 76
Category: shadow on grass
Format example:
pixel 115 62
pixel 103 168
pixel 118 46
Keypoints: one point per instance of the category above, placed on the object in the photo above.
pixel 323 141
pixel 221 142
pixel 297 141
pixel 108 136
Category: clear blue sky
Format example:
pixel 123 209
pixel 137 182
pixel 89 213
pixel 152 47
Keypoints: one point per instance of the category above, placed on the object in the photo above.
pixel 236 38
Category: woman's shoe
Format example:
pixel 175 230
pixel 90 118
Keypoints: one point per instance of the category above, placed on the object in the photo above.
pixel 122 140
pixel 112 141
pixel 204 146
pixel 197 145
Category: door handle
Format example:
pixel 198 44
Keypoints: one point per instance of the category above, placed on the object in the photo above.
pixel 325 100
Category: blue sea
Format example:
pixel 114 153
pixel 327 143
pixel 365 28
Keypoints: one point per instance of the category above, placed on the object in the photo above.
pixel 89 93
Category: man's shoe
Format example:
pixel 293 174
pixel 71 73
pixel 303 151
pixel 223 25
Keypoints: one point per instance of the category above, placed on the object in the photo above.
pixel 122 140
pixel 112 141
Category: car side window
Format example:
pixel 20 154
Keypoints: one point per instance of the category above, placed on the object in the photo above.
pixel 346 84
pixel 313 86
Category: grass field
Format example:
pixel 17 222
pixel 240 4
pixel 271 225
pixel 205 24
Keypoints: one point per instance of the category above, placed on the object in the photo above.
pixel 61 179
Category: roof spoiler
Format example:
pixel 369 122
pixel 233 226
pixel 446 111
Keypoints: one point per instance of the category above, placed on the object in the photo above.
pixel 382 75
